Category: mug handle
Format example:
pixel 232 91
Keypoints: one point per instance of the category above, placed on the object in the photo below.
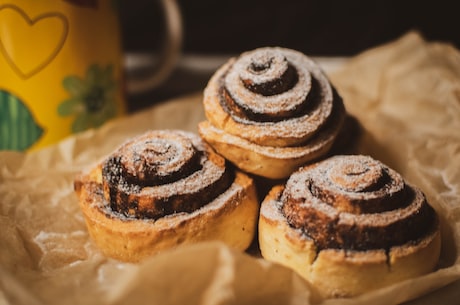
pixel 170 54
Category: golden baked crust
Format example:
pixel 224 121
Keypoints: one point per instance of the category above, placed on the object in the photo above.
pixel 267 161
pixel 271 105
pixel 344 268
pixel 230 217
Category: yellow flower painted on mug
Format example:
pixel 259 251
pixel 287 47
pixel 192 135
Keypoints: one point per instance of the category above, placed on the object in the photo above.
pixel 92 98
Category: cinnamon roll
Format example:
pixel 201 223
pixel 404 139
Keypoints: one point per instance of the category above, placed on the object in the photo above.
pixel 349 224
pixel 162 189
pixel 271 110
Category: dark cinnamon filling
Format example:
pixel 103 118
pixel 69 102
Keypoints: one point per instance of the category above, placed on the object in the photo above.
pixel 246 115
pixel 274 86
pixel 134 186
pixel 123 199
pixel 334 231
pixel 356 214
pixel 381 200
pixel 147 172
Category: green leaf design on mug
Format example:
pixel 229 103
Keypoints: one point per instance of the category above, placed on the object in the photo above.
pixel 18 129
pixel 92 98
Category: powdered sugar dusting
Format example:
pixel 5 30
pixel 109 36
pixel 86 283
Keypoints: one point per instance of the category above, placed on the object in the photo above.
pixel 306 69
pixel 261 66
pixel 165 154
pixel 156 153
pixel 331 210
pixel 277 64
pixel 298 126
pixel 354 177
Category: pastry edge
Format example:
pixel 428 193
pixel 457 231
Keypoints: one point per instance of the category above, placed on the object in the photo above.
pixel 230 218
pixel 335 272
pixel 266 161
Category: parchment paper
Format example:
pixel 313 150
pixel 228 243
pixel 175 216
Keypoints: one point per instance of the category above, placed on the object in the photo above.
pixel 406 94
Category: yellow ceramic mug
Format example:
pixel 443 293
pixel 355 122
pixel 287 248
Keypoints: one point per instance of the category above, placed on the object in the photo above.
pixel 61 68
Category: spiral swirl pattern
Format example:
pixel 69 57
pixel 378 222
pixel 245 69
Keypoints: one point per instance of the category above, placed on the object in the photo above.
pixel 356 203
pixel 161 173
pixel 277 97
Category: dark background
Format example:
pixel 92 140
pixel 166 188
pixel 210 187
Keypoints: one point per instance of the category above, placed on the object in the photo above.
pixel 317 28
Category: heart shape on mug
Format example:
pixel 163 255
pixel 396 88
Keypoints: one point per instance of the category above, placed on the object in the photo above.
pixel 32 43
